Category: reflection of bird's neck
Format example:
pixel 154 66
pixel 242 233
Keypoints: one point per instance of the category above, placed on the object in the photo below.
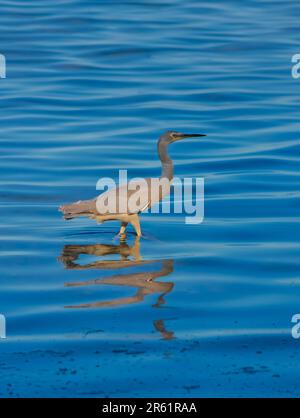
pixel 167 163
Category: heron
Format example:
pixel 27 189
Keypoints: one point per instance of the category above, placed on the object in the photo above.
pixel 98 208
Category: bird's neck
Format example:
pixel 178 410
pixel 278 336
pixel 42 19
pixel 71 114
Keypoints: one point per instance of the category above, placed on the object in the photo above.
pixel 166 162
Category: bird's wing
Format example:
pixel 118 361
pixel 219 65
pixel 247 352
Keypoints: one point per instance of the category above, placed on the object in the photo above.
pixel 131 198
pixel 80 208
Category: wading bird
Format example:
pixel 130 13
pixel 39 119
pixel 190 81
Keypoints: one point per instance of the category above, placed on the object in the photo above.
pixel 121 209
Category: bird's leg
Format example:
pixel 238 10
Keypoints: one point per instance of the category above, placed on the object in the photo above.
pixel 135 222
pixel 122 233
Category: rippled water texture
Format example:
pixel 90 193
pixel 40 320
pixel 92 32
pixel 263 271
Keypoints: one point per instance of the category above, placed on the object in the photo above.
pixel 190 310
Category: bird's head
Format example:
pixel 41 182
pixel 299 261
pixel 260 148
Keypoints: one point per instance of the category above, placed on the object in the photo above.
pixel 172 136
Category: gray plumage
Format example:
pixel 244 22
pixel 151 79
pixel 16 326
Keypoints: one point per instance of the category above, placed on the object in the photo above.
pixel 122 210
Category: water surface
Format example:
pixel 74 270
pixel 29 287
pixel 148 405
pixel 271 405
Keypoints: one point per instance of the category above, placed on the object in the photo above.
pixel 189 310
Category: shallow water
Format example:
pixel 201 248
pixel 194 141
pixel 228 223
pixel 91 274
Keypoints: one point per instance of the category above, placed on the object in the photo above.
pixel 89 88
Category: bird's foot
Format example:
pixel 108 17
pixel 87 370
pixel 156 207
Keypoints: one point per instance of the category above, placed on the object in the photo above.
pixel 121 236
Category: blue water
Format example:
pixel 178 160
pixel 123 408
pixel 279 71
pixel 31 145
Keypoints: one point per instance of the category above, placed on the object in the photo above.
pixel 90 86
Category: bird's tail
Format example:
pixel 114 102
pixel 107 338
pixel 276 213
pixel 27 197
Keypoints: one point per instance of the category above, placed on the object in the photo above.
pixel 80 208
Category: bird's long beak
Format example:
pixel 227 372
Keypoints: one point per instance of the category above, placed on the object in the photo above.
pixel 183 136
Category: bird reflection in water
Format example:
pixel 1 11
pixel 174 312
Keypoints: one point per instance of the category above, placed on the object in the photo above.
pixel 145 283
